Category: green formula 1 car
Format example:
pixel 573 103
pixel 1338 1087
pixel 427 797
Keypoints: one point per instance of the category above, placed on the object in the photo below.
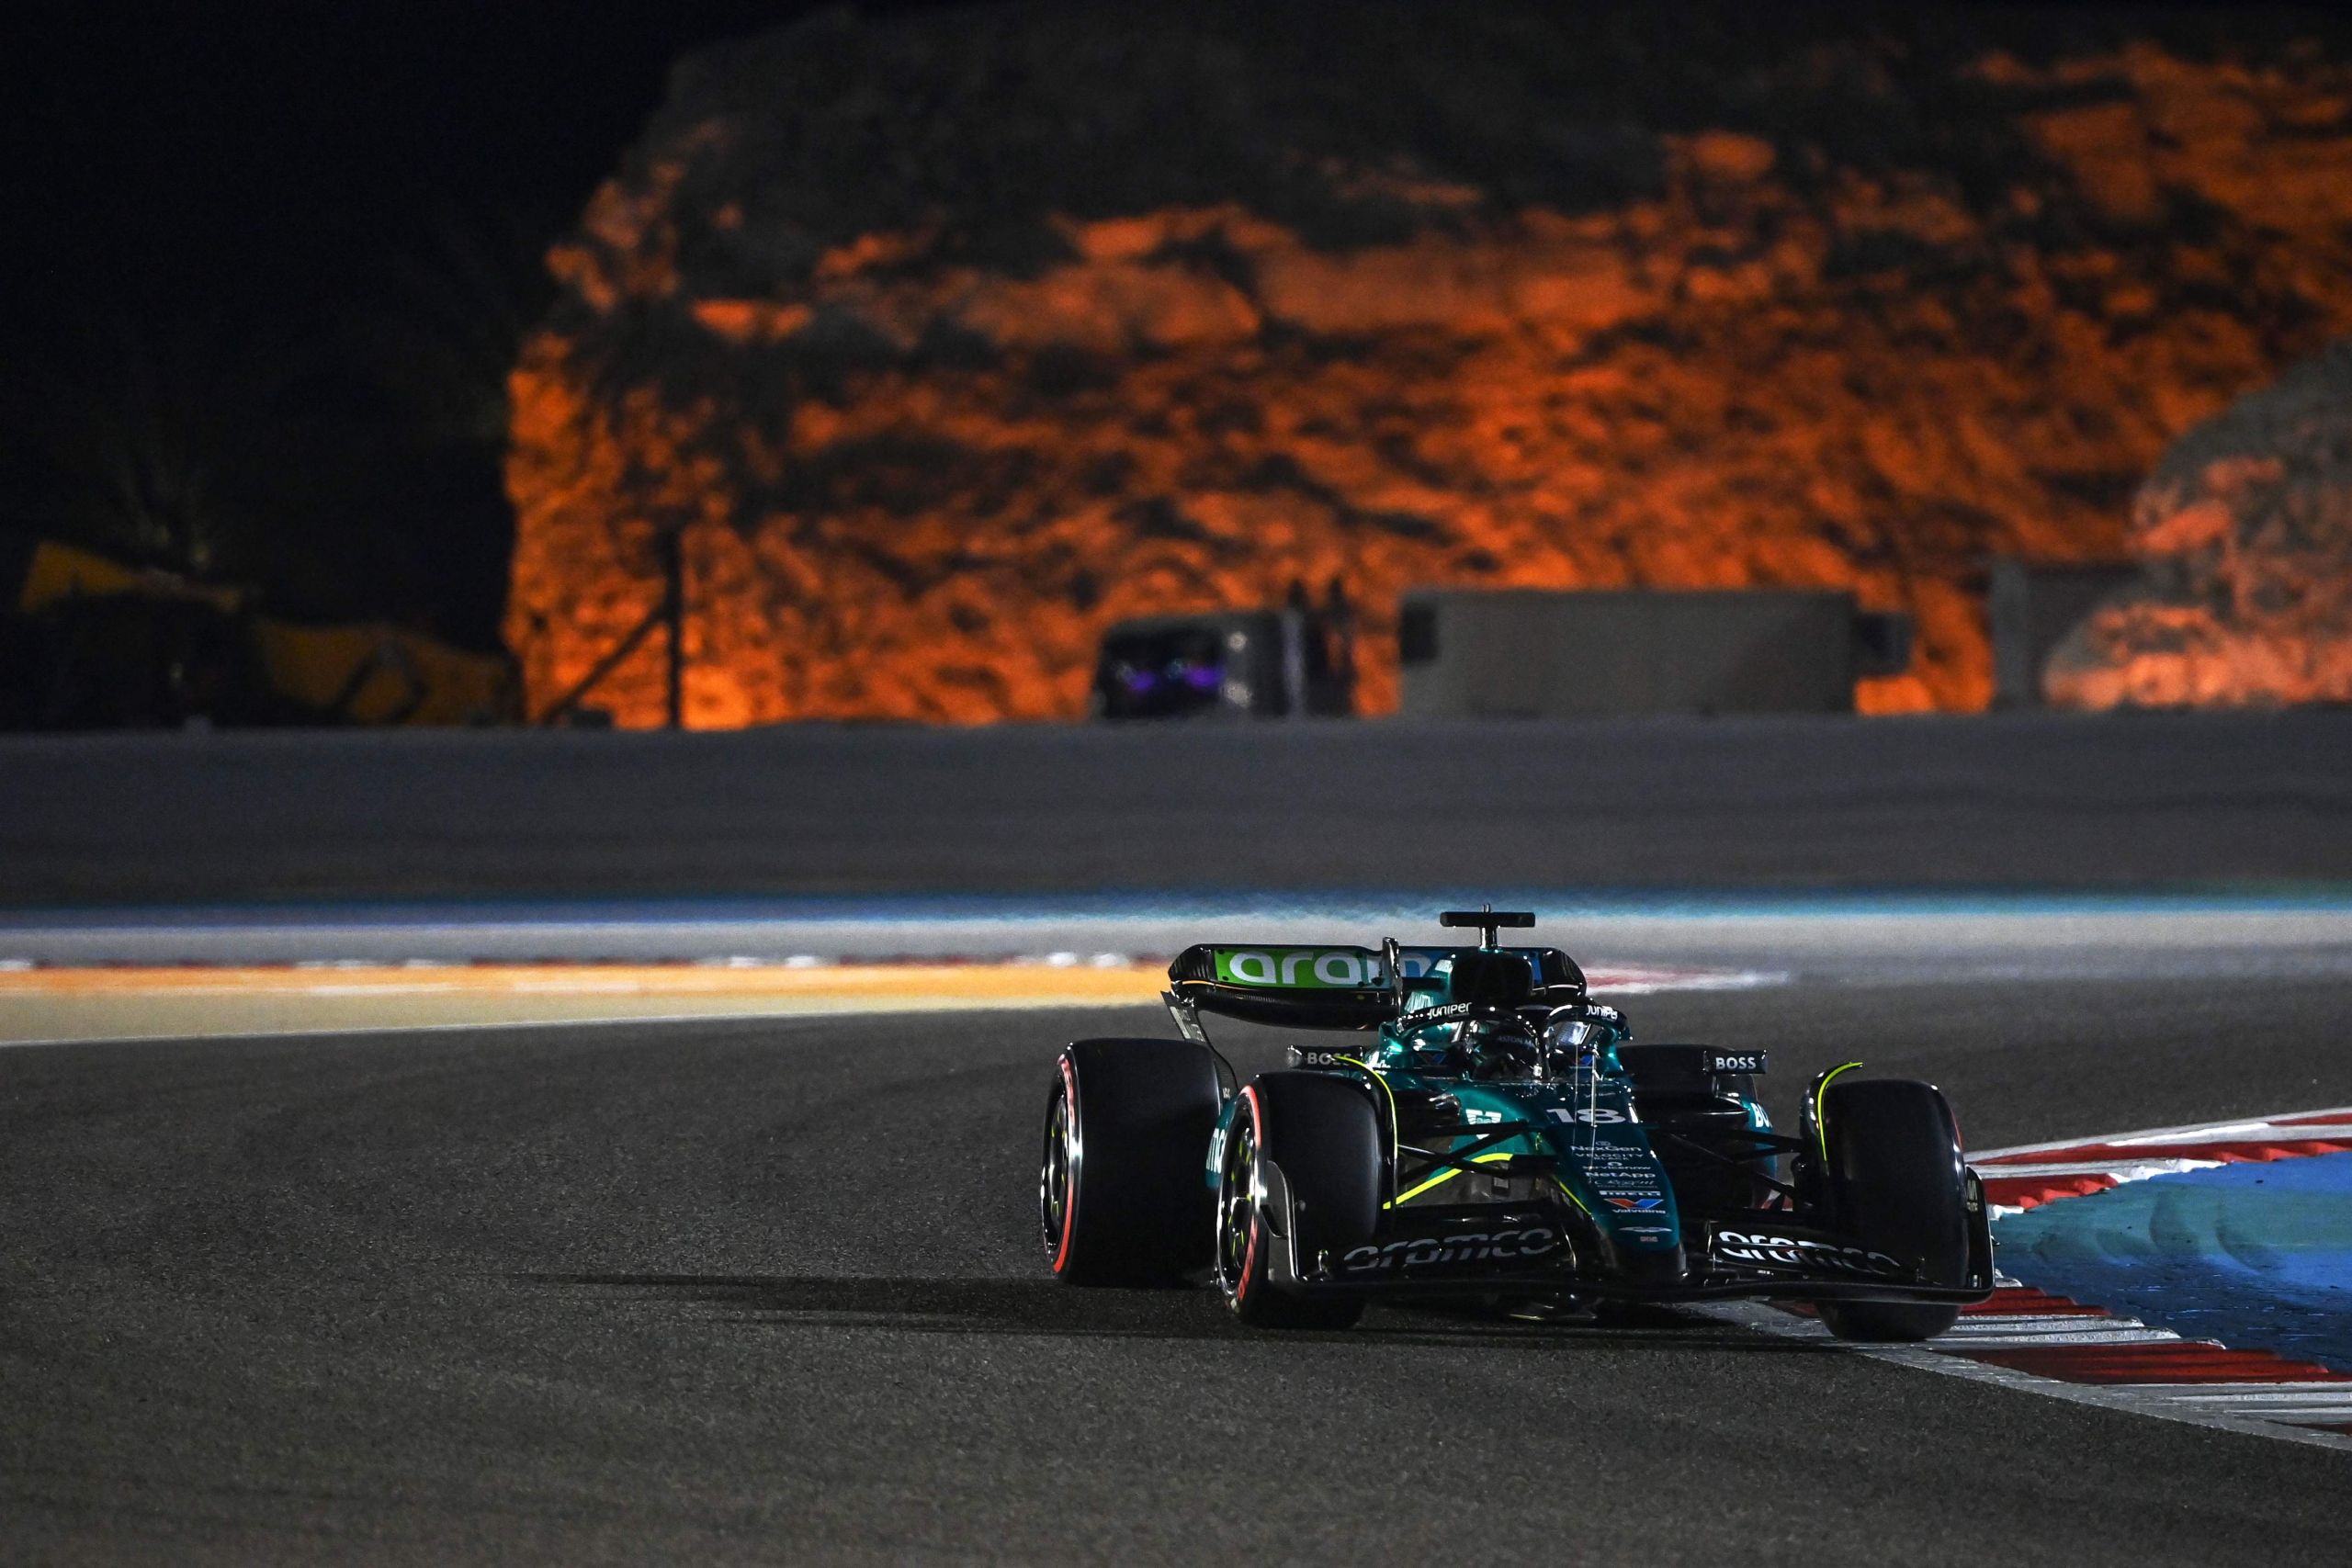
pixel 1493 1134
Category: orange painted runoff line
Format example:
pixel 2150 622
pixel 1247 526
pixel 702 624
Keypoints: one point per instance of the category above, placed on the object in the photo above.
pixel 1043 981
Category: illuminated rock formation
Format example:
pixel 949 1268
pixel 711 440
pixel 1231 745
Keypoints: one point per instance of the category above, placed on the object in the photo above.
pixel 2247 530
pixel 947 340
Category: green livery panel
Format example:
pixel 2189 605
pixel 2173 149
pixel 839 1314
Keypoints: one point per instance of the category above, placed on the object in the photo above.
pixel 1300 968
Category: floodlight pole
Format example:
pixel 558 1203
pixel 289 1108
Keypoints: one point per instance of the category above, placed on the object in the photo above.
pixel 673 618
pixel 669 612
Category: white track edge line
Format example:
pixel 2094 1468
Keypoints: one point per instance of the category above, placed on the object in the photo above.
pixel 2161 1134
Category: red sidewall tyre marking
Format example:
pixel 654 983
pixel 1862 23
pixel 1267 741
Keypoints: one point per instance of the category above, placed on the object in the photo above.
pixel 1257 1221
pixel 1070 1166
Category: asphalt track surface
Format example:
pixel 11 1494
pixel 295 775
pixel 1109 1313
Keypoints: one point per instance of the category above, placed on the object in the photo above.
pixel 770 1291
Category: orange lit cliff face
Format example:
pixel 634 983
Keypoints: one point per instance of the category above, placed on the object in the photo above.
pixel 947 342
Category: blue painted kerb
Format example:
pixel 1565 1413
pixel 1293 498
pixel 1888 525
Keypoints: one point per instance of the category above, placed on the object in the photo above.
pixel 2258 1256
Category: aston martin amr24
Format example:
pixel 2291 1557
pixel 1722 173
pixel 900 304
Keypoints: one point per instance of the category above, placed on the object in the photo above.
pixel 1468 1123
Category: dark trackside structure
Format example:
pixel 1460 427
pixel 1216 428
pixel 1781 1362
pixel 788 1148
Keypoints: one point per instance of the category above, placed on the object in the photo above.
pixel 1621 653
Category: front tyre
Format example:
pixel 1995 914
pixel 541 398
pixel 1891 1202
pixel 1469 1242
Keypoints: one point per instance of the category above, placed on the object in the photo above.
pixel 1898 1184
pixel 1120 1198
pixel 1323 1134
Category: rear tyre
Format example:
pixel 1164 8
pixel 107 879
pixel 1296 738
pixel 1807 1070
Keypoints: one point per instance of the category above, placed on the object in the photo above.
pixel 1324 1135
pixel 1121 1199
pixel 1898 1184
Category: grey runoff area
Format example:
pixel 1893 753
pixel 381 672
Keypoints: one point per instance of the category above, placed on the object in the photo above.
pixel 2215 804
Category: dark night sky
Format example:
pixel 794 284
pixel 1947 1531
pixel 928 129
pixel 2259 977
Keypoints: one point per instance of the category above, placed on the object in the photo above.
pixel 256 148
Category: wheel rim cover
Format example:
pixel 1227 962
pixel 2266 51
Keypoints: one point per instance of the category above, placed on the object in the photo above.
pixel 1053 1176
pixel 1236 1210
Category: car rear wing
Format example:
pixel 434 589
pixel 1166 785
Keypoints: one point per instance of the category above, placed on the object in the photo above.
pixel 1334 988
pixel 1295 988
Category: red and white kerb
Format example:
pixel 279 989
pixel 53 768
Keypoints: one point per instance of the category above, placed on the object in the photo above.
pixel 2050 1344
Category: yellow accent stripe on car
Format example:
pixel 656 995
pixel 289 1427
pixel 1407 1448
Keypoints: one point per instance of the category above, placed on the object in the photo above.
pixel 1572 1195
pixel 1820 1126
pixel 1445 1175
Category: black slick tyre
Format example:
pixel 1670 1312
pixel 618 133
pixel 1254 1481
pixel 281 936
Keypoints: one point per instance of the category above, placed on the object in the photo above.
pixel 1324 1135
pixel 1898 1184
pixel 1121 1194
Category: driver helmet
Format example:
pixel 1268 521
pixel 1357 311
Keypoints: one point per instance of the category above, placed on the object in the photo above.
pixel 1501 1048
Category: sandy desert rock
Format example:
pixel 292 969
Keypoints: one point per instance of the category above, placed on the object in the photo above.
pixel 2246 530
pixel 946 339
